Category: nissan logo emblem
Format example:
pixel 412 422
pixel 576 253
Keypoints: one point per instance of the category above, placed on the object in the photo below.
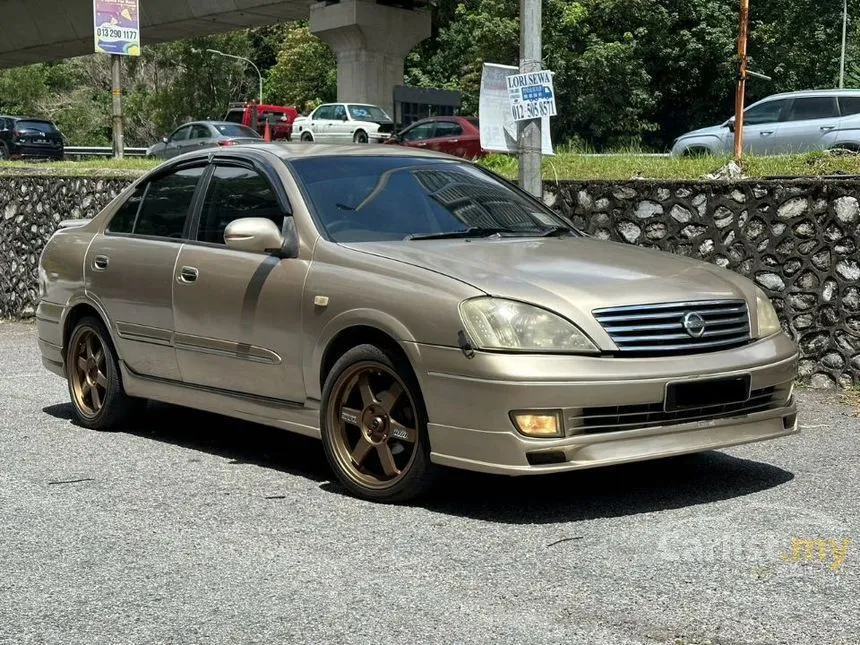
pixel 693 324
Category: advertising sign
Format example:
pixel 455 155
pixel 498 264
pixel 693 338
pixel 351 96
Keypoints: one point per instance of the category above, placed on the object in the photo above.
pixel 531 95
pixel 499 130
pixel 117 27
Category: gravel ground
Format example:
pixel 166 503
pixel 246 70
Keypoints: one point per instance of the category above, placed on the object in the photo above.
pixel 190 528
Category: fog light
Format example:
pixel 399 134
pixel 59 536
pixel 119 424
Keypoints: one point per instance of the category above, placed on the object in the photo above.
pixel 538 424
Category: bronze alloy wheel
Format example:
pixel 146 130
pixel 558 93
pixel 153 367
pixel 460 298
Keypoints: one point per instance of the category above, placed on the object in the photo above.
pixel 88 373
pixel 374 424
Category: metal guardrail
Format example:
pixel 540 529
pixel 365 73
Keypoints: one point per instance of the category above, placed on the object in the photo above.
pixel 97 151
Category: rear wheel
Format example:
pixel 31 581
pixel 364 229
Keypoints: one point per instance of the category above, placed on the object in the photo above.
pixel 360 137
pixel 374 427
pixel 92 371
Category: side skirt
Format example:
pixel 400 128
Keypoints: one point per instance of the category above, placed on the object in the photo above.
pixel 286 415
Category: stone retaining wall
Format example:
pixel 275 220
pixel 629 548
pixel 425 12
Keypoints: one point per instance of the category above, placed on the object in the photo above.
pixel 797 239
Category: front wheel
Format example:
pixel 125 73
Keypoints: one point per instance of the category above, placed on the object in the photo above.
pixel 307 137
pixel 98 399
pixel 374 427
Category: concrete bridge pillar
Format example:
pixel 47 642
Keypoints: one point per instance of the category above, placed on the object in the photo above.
pixel 370 42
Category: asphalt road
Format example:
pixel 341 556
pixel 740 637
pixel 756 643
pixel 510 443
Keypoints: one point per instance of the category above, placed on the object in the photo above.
pixel 189 528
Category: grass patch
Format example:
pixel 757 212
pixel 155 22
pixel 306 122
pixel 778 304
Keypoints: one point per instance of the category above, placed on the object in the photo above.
pixel 565 165
pixel 100 167
pixel 629 166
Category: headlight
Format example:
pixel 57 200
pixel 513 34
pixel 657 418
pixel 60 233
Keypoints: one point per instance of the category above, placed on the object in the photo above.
pixel 493 323
pixel 768 321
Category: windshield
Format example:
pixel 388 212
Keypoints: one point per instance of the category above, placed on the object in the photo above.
pixel 369 199
pixel 233 130
pixel 368 113
pixel 40 126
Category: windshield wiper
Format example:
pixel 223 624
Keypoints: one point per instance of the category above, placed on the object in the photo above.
pixel 556 231
pixel 472 231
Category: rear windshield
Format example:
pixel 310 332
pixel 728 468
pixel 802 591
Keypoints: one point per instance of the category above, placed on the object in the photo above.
pixel 234 130
pixel 41 126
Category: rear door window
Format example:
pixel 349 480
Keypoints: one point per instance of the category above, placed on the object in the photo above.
pixel 167 204
pixel 813 107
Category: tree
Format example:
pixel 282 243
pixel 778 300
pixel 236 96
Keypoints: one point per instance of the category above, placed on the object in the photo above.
pixel 305 73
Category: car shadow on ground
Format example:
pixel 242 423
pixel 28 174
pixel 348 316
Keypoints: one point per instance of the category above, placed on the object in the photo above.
pixel 239 441
pixel 614 491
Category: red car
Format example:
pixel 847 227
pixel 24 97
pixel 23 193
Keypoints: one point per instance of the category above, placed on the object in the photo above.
pixel 280 118
pixel 454 135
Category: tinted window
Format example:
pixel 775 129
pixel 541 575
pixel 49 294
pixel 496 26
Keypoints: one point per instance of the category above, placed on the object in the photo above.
pixel 818 107
pixel 123 219
pixel 167 204
pixel 230 130
pixel 200 132
pixel 181 134
pixel 419 132
pixel 849 105
pixel 358 199
pixel 448 129
pixel 765 113
pixel 40 126
pixel 235 116
pixel 338 113
pixel 235 193
pixel 324 112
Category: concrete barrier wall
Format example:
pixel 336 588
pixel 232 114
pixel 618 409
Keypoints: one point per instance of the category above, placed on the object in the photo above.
pixel 797 239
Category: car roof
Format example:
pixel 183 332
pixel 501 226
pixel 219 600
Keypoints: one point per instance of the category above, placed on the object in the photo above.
pixel 25 118
pixel 813 93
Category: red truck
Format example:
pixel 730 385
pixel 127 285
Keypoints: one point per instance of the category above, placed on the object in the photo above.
pixel 280 118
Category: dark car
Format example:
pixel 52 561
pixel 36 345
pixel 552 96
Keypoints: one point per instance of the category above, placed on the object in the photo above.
pixel 455 135
pixel 203 134
pixel 29 138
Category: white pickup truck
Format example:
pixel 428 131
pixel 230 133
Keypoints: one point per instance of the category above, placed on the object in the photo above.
pixel 344 123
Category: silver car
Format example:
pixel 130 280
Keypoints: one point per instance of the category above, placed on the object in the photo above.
pixel 785 124
pixel 202 134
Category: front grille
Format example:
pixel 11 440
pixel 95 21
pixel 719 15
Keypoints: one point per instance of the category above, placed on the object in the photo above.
pixel 659 329
pixel 636 417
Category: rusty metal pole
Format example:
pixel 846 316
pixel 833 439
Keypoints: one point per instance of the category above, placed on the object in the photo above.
pixel 116 107
pixel 740 97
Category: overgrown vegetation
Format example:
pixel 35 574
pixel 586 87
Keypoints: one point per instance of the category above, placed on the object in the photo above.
pixel 628 72
pixel 565 165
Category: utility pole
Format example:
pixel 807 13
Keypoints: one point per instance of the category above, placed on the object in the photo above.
pixel 740 97
pixel 844 43
pixel 116 113
pixel 244 60
pixel 531 57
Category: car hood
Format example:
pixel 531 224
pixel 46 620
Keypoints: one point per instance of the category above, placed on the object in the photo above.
pixel 571 276
pixel 712 131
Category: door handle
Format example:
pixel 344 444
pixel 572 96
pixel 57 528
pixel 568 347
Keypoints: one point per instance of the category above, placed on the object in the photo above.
pixel 455 141
pixel 188 274
pixel 827 128
pixel 100 262
pixel 767 133
pixel 421 145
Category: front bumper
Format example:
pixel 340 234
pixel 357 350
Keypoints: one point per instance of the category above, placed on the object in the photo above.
pixel 469 402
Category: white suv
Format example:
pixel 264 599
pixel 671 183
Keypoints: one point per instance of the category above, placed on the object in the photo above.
pixel 785 124
pixel 344 123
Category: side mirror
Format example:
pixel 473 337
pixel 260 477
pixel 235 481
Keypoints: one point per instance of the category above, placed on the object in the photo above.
pixel 254 234
pixel 164 140
pixel 344 118
pixel 730 124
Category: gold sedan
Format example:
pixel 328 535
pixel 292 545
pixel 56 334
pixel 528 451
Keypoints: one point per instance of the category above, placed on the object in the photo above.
pixel 410 309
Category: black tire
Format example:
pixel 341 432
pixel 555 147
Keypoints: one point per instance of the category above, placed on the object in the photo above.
pixel 418 474
pixel 360 137
pixel 114 405
pixel 4 152
pixel 307 137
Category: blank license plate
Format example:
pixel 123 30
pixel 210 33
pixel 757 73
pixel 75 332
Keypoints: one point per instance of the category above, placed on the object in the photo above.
pixel 700 394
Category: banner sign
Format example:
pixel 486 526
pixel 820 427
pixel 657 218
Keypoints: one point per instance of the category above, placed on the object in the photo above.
pixel 532 95
pixel 117 27
pixel 499 130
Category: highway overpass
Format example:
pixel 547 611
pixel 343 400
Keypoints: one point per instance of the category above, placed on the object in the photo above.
pixel 370 38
